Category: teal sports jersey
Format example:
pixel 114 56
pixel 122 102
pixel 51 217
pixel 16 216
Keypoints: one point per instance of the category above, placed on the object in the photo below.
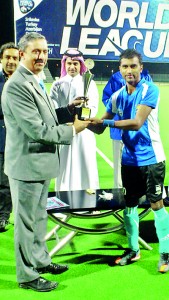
pixel 142 147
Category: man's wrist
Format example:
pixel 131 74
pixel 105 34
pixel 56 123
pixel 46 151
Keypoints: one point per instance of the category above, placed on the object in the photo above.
pixel 71 108
pixel 109 123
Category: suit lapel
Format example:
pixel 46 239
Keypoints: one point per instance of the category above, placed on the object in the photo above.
pixel 45 96
pixel 31 79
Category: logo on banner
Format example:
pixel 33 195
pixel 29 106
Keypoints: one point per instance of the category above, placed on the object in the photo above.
pixel 26 5
pixel 100 29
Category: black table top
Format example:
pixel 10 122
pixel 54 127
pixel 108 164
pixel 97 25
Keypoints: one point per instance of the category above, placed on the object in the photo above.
pixel 103 199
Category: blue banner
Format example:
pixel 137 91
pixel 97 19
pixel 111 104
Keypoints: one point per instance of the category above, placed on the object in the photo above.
pixel 101 29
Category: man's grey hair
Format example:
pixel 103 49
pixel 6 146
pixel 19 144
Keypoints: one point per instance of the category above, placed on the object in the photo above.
pixel 23 42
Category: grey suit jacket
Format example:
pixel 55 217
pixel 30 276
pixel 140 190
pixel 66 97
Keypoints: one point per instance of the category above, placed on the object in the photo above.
pixel 33 132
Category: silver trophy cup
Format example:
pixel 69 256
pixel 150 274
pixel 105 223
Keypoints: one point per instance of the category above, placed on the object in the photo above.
pixel 85 111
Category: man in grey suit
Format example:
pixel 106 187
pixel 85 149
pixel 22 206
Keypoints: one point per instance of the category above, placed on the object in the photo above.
pixel 31 159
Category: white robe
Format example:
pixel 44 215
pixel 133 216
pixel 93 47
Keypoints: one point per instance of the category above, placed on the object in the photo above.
pixel 78 165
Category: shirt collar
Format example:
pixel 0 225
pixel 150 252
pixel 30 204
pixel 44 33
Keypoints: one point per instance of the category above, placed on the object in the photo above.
pixel 70 78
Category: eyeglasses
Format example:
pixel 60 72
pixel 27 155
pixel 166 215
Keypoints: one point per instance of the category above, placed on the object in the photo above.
pixel 73 53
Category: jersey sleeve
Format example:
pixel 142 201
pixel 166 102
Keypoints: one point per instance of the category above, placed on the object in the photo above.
pixel 150 95
pixel 111 107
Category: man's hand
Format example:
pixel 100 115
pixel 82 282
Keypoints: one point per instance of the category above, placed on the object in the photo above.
pixel 80 125
pixel 76 102
pixel 96 125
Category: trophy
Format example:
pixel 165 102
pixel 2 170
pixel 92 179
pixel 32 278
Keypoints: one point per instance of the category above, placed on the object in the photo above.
pixel 84 111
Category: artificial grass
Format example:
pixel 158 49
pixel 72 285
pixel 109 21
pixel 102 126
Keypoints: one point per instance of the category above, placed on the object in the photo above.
pixel 92 274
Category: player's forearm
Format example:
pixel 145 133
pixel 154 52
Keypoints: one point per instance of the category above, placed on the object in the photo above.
pixel 129 124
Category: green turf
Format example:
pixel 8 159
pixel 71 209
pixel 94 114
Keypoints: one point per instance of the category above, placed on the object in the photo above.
pixel 92 274
pixel 164 125
pixel 90 257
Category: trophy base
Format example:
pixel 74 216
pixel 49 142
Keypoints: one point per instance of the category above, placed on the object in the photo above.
pixel 83 113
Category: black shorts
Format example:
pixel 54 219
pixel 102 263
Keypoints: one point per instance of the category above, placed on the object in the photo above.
pixel 146 180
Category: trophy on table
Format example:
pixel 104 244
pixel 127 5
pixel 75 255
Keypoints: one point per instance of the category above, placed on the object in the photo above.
pixel 84 111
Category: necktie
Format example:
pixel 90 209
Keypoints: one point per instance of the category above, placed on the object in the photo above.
pixel 41 83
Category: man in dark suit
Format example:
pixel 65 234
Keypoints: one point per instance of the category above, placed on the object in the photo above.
pixel 9 56
pixel 31 159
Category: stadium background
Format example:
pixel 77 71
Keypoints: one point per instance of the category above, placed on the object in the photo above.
pixel 91 274
pixel 102 69
pixel 102 72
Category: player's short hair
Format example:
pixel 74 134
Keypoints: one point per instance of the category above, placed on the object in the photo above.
pixel 130 53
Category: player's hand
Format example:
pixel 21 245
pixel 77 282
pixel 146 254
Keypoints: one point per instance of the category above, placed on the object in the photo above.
pixel 96 125
pixel 95 121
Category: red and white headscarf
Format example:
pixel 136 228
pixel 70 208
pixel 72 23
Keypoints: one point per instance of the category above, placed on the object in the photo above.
pixel 75 54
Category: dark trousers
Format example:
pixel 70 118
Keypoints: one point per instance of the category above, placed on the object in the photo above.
pixel 5 195
pixel 30 226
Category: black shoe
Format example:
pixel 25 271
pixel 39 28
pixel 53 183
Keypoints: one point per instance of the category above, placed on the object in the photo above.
pixel 128 256
pixel 163 265
pixel 3 224
pixel 40 285
pixel 53 269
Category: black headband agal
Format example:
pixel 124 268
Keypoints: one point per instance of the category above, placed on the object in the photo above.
pixel 69 54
